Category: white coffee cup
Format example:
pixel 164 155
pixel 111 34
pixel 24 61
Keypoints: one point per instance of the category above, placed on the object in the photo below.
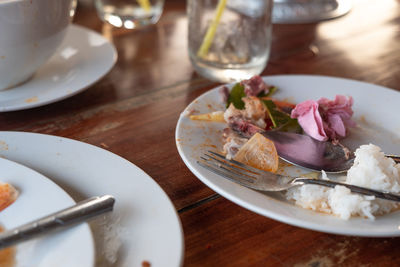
pixel 30 33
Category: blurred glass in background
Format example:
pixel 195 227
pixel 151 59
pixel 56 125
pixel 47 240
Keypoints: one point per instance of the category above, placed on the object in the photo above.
pixel 229 40
pixel 308 11
pixel 129 14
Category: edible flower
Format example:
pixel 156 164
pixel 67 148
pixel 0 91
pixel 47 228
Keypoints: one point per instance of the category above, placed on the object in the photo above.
pixel 325 119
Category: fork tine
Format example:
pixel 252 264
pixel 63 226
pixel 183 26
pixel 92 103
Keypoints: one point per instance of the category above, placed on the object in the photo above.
pixel 231 167
pixel 217 164
pixel 227 175
pixel 242 165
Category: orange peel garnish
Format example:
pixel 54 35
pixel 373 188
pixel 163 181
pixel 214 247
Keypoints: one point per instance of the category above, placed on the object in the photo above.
pixel 259 152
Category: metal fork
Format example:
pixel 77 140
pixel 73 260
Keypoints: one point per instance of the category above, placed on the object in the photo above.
pixel 266 181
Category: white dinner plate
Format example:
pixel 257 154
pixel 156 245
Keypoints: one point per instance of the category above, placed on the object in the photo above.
pixel 143 227
pixel 38 197
pixel 81 60
pixel 375 112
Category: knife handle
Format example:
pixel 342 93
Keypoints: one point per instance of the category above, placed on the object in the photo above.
pixel 80 212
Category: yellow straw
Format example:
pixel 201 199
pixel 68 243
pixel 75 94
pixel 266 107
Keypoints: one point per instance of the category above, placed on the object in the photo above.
pixel 208 38
pixel 145 5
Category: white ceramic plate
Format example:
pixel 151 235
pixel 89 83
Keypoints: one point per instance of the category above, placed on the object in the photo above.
pixel 82 59
pixel 376 110
pixel 39 197
pixel 144 225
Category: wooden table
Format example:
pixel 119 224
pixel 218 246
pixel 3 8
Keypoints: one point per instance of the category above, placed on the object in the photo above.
pixel 134 109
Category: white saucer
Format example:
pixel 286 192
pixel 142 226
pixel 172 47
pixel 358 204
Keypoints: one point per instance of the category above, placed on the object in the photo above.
pixel 32 203
pixel 82 59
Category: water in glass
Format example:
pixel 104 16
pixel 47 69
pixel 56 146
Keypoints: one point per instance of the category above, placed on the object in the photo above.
pixel 240 45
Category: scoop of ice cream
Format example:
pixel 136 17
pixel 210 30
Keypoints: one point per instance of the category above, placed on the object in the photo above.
pixel 325 119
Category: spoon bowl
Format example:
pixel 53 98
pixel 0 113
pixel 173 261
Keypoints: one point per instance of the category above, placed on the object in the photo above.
pixel 304 151
pixel 307 152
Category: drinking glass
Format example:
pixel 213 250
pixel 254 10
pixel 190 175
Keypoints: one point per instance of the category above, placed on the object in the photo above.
pixel 229 40
pixel 130 14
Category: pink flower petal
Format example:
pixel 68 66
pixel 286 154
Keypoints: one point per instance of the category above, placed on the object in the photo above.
pixel 325 119
pixel 309 119
pixel 336 123
pixel 336 115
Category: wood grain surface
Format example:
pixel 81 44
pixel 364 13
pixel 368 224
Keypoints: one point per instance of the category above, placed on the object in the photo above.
pixel 134 109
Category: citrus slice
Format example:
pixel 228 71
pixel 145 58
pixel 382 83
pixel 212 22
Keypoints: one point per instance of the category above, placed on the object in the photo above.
pixel 259 152
pixel 8 194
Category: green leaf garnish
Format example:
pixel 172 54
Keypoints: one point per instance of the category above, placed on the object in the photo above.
pixel 271 91
pixel 236 95
pixel 292 125
pixel 281 120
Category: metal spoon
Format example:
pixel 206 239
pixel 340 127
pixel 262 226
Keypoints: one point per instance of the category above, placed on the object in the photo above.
pixel 303 150
pixel 307 152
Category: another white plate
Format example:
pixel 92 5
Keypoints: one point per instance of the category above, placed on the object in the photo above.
pixel 376 112
pixel 39 197
pixel 144 226
pixel 82 59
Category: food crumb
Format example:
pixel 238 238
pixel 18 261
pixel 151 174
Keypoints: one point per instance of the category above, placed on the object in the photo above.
pixel 32 99
pixel 104 145
pixel 3 145
pixel 146 264
pixel 189 112
pixel 363 119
